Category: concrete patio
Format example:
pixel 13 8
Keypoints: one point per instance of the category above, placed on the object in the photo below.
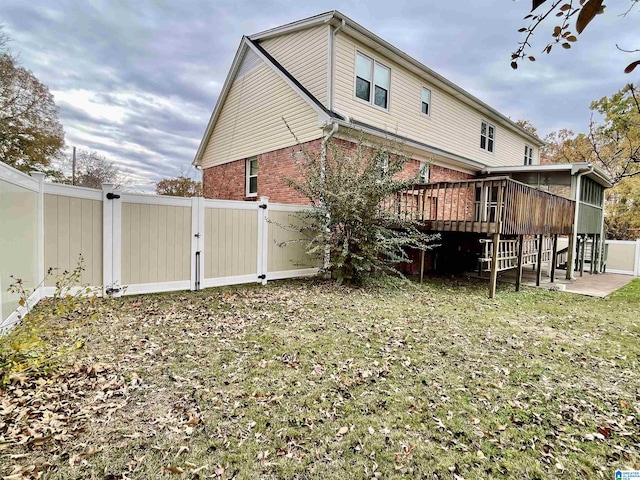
pixel 593 285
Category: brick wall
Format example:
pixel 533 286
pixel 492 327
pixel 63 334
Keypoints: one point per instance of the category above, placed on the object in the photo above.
pixel 228 181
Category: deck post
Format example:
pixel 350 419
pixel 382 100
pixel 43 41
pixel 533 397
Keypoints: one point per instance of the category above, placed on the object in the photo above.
pixel 554 258
pixel 520 260
pixel 571 257
pixel 421 265
pixel 493 282
pixel 539 264
pixel 582 253
pixel 594 246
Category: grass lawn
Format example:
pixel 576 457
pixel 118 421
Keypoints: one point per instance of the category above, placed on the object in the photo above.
pixel 311 380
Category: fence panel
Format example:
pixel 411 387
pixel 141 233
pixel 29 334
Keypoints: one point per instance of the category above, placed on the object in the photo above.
pixel 73 227
pixel 287 256
pixel 19 218
pixel 155 243
pixel 623 257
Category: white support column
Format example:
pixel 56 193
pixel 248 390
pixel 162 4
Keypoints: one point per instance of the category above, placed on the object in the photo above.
pixel 39 177
pixel 117 243
pixel 197 242
pixel 263 239
pixel 107 239
pixel 636 267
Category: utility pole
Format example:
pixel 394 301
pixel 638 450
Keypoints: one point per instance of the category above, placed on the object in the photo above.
pixel 73 168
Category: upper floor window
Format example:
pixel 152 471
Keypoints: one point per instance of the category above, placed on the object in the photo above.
pixel 251 169
pixel 487 136
pixel 423 175
pixel 528 155
pixel 372 81
pixel 426 101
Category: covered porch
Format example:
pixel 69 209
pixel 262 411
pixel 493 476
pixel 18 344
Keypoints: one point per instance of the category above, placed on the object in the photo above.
pixel 521 224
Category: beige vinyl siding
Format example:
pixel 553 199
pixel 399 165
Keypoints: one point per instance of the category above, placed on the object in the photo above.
pixel 156 243
pixel 284 256
pixel 452 125
pixel 251 120
pixel 18 242
pixel 231 242
pixel 305 55
pixel 73 227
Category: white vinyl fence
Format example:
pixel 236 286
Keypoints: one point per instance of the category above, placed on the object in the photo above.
pixel 136 243
pixel 623 256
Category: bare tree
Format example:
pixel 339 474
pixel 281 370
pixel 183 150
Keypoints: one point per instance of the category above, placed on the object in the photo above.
pixel 93 169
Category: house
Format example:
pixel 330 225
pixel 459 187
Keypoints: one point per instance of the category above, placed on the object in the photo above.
pixel 328 77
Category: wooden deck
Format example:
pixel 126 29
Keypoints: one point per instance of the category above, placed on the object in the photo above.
pixel 498 206
pixel 492 205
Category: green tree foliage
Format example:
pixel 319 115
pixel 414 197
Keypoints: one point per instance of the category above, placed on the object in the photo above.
pixel 30 134
pixel 354 225
pixel 570 15
pixel 181 186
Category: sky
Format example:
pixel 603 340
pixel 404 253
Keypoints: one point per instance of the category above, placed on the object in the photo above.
pixel 138 80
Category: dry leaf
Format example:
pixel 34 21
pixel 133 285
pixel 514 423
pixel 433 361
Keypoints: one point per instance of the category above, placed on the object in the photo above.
pixel 174 470
pixel 343 430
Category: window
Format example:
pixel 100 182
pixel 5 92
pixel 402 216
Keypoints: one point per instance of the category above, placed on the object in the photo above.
pixel 423 176
pixel 371 75
pixel 487 136
pixel 251 169
pixel 528 155
pixel 426 101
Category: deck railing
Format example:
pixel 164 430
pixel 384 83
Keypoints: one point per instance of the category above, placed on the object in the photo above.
pixel 490 205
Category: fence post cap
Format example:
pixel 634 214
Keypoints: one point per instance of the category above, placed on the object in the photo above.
pixel 37 174
pixel 264 199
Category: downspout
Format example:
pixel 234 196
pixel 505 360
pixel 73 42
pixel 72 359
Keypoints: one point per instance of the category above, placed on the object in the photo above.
pixel 323 159
pixel 575 217
pixel 332 50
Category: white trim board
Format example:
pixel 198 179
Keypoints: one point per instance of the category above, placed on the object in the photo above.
pixel 17 315
pixel 233 204
pixel 303 272
pixel 226 281
pixel 72 191
pixel 160 287
pixel 143 199
pixel 620 272
pixel 18 178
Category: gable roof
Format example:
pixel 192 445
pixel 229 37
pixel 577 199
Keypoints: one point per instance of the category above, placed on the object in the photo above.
pixel 245 45
pixel 370 39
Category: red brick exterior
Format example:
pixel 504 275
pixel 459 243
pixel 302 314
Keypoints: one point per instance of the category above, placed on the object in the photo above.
pixel 228 181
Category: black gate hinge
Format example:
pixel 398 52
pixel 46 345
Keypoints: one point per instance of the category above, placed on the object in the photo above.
pixel 263 206
pixel 112 196
pixel 262 277
pixel 111 290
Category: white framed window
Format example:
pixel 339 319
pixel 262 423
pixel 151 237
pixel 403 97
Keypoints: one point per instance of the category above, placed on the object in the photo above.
pixel 372 81
pixel 423 175
pixel 487 136
pixel 251 171
pixel 528 155
pixel 426 101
